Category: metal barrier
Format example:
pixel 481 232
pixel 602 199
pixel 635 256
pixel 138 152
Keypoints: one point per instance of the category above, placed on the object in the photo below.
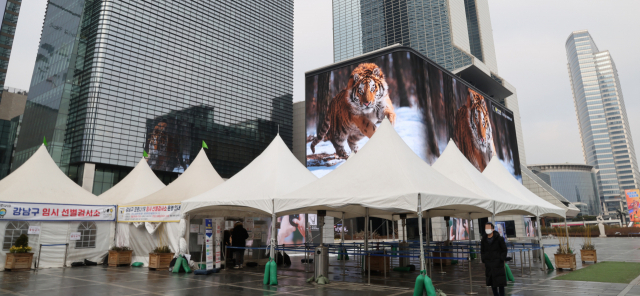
pixel 66 249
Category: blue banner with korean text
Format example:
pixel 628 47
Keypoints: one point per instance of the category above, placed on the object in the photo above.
pixel 55 212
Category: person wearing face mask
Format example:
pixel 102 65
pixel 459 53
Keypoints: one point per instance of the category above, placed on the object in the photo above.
pixel 494 253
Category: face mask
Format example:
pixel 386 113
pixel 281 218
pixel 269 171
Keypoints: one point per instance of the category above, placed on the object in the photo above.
pixel 488 231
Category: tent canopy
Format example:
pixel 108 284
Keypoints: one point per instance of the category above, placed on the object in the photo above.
pixel 198 178
pixel 275 172
pixel 385 176
pixel 140 182
pixel 497 173
pixel 40 180
pixel 455 166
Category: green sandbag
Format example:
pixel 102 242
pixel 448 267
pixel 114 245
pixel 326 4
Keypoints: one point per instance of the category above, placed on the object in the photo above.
pixel 137 264
pixel 548 262
pixel 176 266
pixel 402 269
pixel 428 286
pixel 346 254
pixel 454 262
pixel 507 270
pixel 273 273
pixel 419 287
pixel 185 266
pixel 311 279
pixel 267 268
pixel 473 254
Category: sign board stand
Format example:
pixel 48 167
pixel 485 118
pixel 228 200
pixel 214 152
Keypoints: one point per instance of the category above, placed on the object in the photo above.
pixel 208 237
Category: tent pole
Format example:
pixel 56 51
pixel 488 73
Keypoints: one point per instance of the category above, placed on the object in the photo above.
pixel 539 233
pixel 493 215
pixel 393 229
pixel 429 241
pixel 272 252
pixel 566 229
pixel 342 231
pixel 366 244
pixel 469 260
pixel 420 233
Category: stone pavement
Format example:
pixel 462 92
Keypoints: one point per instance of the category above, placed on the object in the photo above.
pixel 123 281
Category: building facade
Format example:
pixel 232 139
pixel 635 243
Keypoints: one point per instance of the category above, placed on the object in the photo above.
pixel 8 24
pixel 576 182
pixel 602 119
pixel 11 108
pixel 114 78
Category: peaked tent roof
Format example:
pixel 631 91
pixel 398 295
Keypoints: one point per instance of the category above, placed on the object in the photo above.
pixel 40 180
pixel 385 176
pixel 140 182
pixel 497 173
pixel 275 172
pixel 199 177
pixel 455 166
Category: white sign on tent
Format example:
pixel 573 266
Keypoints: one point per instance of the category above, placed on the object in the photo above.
pixel 150 213
pixel 34 230
pixel 74 236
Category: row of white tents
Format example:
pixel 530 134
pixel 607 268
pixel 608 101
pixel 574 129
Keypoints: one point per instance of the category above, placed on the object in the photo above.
pixel 384 179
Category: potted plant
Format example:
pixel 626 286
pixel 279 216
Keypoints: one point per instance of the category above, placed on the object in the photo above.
pixel 19 256
pixel 160 258
pixel 588 251
pixel 120 256
pixel 564 257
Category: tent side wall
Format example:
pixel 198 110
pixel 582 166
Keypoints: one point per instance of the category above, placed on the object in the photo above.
pixel 58 233
pixel 142 242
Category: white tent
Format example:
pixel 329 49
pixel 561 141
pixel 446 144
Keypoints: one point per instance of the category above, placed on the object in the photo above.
pixel 386 177
pixel 499 175
pixel 455 166
pixel 140 182
pixel 43 196
pixel 274 173
pixel 251 192
pixel 198 178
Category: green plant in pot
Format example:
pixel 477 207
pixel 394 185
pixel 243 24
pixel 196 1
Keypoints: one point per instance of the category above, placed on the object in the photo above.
pixel 120 249
pixel 162 250
pixel 22 245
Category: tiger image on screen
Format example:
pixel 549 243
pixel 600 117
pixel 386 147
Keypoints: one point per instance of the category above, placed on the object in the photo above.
pixel 354 111
pixel 472 131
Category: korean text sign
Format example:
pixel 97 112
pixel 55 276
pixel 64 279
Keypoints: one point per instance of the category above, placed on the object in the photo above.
pixel 55 212
pixel 149 213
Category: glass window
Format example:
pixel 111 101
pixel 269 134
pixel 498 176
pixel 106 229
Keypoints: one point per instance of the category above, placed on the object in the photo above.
pixel 12 232
pixel 88 231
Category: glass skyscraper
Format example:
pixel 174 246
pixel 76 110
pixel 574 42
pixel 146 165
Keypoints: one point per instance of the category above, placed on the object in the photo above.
pixel 576 182
pixel 8 24
pixel 602 118
pixel 115 77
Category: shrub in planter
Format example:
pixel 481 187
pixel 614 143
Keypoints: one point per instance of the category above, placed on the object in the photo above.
pixel 160 258
pixel 19 256
pixel 120 256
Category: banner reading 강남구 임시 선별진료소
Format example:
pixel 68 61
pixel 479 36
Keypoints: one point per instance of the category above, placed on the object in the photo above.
pixel 56 212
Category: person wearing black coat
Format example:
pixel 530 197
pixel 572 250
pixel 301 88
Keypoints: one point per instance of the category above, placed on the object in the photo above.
pixel 239 239
pixel 494 254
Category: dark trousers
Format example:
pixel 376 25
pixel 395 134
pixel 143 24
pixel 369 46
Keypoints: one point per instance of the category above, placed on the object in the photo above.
pixel 239 256
pixel 498 291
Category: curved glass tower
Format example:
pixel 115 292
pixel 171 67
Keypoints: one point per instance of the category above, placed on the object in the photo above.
pixel 602 118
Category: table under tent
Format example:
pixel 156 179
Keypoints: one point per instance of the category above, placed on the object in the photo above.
pixel 140 182
pixel 400 183
pixel 250 194
pixel 161 210
pixel 40 197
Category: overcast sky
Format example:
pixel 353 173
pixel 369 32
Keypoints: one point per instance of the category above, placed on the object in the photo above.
pixel 529 39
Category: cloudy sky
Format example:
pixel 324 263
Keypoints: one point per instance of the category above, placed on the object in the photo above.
pixel 529 39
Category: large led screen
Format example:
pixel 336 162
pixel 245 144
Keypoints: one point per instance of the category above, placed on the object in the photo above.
pixel 426 105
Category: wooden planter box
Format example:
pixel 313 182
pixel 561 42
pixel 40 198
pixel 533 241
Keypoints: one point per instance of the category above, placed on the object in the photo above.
pixel 589 255
pixel 565 261
pixel 160 260
pixel 18 261
pixel 378 263
pixel 119 258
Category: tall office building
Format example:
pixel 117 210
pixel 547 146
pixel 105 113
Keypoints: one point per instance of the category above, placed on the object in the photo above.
pixel 602 118
pixel 115 77
pixel 8 24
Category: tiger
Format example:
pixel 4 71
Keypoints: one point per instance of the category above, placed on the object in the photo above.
pixel 354 111
pixel 473 132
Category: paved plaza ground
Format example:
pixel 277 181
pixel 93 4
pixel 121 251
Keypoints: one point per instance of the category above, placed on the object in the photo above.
pixel 123 281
